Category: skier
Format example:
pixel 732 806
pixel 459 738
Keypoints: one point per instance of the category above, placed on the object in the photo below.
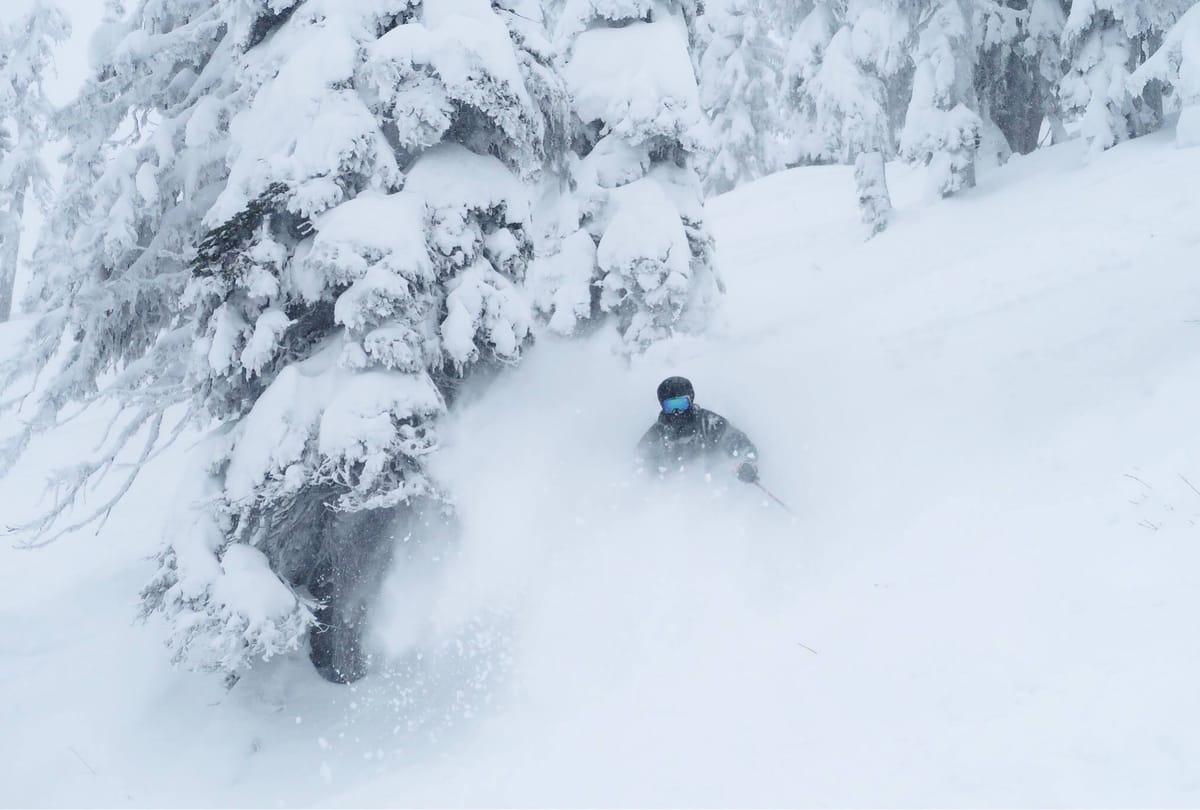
pixel 685 433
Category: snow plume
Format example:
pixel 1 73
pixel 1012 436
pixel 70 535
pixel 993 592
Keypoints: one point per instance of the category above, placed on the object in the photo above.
pixel 311 222
pixel 637 193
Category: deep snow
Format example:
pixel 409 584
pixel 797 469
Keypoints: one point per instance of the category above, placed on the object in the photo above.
pixel 985 420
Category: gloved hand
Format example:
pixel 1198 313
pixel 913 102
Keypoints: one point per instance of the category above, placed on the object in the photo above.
pixel 747 472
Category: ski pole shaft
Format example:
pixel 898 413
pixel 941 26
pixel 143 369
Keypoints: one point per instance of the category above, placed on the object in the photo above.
pixel 771 495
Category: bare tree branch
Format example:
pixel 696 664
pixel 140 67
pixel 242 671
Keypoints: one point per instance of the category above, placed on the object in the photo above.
pixel 71 488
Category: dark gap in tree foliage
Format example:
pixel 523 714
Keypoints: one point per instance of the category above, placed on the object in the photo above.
pixel 221 249
pixel 266 23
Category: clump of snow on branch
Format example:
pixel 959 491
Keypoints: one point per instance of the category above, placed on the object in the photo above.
pixel 637 106
pixel 740 74
pixel 942 128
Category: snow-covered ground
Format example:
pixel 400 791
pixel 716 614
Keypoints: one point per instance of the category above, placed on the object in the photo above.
pixel 985 420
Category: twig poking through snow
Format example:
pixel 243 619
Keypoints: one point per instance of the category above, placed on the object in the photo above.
pixel 1191 486
pixel 79 756
pixel 810 649
pixel 1140 481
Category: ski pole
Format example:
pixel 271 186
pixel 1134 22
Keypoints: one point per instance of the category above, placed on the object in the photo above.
pixel 771 495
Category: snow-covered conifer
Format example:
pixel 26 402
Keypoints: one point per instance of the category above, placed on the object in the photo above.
pixel 635 246
pixel 1042 46
pixel 845 98
pixel 312 220
pixel 1007 77
pixel 144 159
pixel 26 53
pixel 1177 63
pixel 739 88
pixel 1105 41
pixel 805 55
pixel 942 128
pixel 1020 65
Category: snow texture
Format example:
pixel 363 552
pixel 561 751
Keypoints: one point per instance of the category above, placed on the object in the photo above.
pixel 988 446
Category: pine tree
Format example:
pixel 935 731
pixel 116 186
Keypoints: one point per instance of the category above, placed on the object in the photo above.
pixel 317 232
pixel 806 52
pixel 1177 63
pixel 843 61
pixel 846 99
pixel 740 72
pixel 26 54
pixel 1012 91
pixel 635 246
pixel 1105 41
pixel 942 127
pixel 112 258
pixel 1042 46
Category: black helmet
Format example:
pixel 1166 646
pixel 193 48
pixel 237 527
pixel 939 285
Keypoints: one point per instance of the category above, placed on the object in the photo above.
pixel 675 387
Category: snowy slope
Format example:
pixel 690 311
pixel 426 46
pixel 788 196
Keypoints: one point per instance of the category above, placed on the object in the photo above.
pixel 984 419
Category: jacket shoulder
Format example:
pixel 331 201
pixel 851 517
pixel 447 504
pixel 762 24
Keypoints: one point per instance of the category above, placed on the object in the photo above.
pixel 713 421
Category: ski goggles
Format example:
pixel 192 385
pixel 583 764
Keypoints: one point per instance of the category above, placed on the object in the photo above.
pixel 676 404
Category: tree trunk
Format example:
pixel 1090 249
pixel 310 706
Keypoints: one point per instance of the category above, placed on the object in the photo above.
pixel 874 202
pixel 1150 115
pixel 10 251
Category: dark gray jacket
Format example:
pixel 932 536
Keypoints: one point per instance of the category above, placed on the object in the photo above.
pixel 675 441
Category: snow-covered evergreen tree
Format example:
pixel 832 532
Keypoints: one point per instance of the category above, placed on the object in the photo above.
pixel 1042 45
pixel 811 36
pixel 1008 75
pixel 740 73
pixel 309 220
pixel 844 97
pixel 1105 41
pixel 636 245
pixel 112 258
pixel 942 127
pixel 1177 63
pixel 26 54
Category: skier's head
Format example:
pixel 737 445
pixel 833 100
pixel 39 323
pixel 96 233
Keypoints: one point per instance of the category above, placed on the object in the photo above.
pixel 676 395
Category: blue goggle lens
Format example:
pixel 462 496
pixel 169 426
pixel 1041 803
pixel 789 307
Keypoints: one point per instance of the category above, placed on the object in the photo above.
pixel 676 404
